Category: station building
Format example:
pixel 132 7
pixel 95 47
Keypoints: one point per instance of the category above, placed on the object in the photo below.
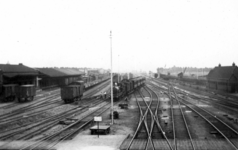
pixel 17 74
pixel 224 78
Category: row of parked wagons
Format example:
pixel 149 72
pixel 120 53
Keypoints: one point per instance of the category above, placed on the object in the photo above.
pixel 10 92
pixel 74 91
pixel 21 92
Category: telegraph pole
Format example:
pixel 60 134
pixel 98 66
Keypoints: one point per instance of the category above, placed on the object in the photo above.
pixel 111 81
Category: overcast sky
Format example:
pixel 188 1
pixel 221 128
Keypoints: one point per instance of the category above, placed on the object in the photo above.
pixel 146 34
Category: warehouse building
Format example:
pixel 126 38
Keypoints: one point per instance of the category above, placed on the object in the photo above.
pixel 18 74
pixel 224 78
pixel 53 77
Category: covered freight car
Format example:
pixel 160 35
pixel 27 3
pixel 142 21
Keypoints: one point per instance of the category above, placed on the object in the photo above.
pixel 81 86
pixel 127 85
pixel 26 92
pixel 8 92
pixel 70 93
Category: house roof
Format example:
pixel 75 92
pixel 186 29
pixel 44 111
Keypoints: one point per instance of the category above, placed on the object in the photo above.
pixel 17 70
pixel 59 72
pixel 223 73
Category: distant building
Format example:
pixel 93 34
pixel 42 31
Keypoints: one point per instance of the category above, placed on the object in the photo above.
pixel 223 78
pixel 158 72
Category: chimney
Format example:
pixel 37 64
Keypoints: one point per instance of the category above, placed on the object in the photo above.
pixel 219 65
pixel 21 64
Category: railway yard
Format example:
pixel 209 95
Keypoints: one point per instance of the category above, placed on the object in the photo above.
pixel 160 115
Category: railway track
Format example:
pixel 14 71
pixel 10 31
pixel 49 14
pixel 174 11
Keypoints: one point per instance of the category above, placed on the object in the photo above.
pixel 220 126
pixel 180 125
pixel 147 124
pixel 223 99
pixel 231 106
pixel 221 129
pixel 30 131
pixel 50 102
pixel 70 131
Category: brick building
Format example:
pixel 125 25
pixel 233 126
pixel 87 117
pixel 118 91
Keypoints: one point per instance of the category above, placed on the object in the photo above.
pixel 224 78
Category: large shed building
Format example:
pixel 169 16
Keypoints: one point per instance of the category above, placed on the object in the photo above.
pixel 52 77
pixel 223 78
pixel 18 74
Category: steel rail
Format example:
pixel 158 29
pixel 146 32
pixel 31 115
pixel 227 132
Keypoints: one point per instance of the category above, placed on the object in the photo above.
pixel 184 119
pixel 152 120
pixel 35 145
pixel 71 133
pixel 142 118
pixel 159 126
pixel 211 115
pixel 222 100
pixel 228 140
pixel 172 116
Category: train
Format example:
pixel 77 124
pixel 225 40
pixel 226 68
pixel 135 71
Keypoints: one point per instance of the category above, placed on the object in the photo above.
pixel 127 86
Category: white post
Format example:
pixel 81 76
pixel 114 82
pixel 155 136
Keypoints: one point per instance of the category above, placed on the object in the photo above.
pixel 111 82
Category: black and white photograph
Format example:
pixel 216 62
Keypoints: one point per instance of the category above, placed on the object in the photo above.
pixel 118 75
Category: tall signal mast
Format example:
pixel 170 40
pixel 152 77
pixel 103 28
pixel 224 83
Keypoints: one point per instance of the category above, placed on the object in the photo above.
pixel 111 81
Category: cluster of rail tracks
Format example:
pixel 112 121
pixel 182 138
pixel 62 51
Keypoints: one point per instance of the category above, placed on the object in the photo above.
pixel 46 121
pixel 173 118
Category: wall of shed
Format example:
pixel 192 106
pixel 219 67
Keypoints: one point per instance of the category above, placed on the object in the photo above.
pixel 20 80
pixel 212 85
pixel 47 82
pixel 222 86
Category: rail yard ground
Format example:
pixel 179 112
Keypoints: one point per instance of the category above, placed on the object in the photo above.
pixel 181 127
pixel 123 129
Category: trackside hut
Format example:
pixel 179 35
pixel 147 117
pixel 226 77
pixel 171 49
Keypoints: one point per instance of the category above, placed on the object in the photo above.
pixel 18 74
pixel 223 78
pixel 52 77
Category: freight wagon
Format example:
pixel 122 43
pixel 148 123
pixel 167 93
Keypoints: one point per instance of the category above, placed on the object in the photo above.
pixel 73 92
pixel 8 92
pixel 26 92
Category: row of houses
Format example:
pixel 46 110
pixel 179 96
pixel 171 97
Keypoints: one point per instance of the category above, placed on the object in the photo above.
pixel 41 77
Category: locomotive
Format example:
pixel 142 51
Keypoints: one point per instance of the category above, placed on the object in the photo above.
pixel 126 87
